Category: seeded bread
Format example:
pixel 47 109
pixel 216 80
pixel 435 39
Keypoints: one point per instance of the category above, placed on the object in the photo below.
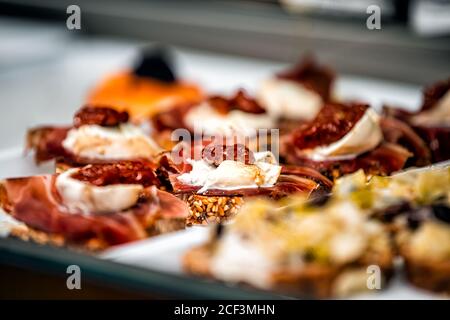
pixel 92 245
pixel 427 274
pixel 211 209
pixel 311 280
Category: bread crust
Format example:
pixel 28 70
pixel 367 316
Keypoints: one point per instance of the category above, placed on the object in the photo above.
pixel 61 165
pixel 211 209
pixel 28 234
pixel 197 261
pixel 427 274
pixel 43 238
pixel 313 280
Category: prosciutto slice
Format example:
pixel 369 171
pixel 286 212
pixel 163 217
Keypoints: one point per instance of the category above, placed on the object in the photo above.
pixel 332 123
pixel 47 142
pixel 383 160
pixel 436 136
pixel 311 75
pixel 436 139
pixel 305 172
pixel 399 132
pixel 173 118
pixel 294 180
pixel 36 202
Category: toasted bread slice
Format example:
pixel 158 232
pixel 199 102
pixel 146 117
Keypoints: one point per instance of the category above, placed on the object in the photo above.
pixel 26 233
pixel 429 275
pixel 61 165
pixel 311 280
pixel 211 209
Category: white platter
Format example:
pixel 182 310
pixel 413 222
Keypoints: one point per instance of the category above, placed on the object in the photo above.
pixel 164 253
pixel 53 99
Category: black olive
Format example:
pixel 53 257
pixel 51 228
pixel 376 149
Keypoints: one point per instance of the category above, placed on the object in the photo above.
pixel 319 200
pixel 417 216
pixel 219 230
pixel 308 256
pixel 441 212
pixel 155 64
pixel 390 213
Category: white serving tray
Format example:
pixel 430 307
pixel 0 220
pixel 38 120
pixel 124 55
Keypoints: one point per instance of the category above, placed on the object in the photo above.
pixel 164 253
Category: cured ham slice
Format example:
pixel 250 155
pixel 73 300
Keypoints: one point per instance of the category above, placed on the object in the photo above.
pixel 35 201
pixel 47 142
pixel 309 173
pixel 240 101
pixel 290 179
pixel 384 160
pixel 312 76
pixel 121 172
pixel 296 95
pixel 295 179
pixel 434 129
pixel 399 132
pixel 434 93
pixel 97 135
pixel 233 173
pixel 101 116
pixel 438 138
pixel 332 123
pixel 174 118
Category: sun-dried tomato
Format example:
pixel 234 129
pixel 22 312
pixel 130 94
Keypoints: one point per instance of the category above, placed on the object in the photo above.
pixel 332 123
pixel 434 93
pixel 311 75
pixel 102 116
pixel 217 153
pixel 121 172
pixel 240 101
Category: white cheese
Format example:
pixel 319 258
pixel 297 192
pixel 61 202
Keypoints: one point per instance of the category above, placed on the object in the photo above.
pixel 365 135
pixel 8 224
pixel 431 242
pixel 231 175
pixel 347 247
pixel 237 260
pixel 206 119
pixel 439 115
pixel 289 99
pixel 81 196
pixel 123 142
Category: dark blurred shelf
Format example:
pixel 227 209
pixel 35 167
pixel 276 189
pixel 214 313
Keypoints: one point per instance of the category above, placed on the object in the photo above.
pixel 264 30
pixel 24 284
pixel 100 277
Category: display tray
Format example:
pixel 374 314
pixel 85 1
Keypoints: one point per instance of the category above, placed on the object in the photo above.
pixel 151 266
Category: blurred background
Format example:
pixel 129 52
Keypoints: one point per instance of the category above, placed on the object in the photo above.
pixel 46 70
